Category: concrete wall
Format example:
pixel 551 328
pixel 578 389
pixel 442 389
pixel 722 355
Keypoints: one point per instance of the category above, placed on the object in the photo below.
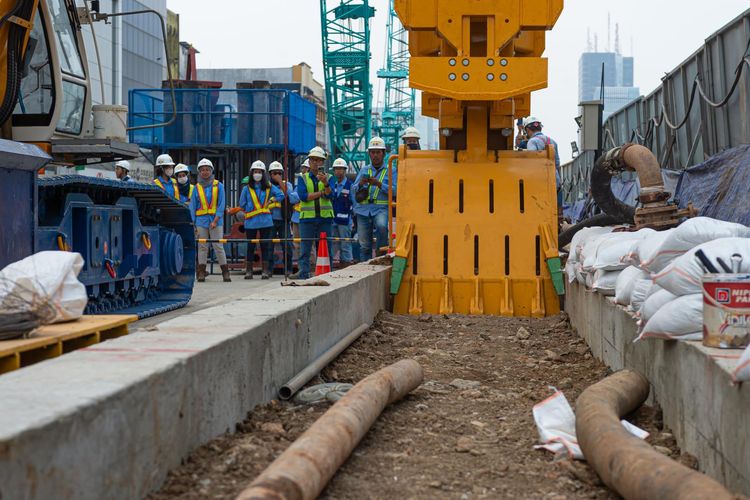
pixel 109 421
pixel 707 414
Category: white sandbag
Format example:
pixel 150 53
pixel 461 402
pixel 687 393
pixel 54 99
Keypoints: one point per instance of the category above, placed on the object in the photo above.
pixel 625 283
pixel 690 234
pixel 612 252
pixel 641 289
pixel 683 276
pixel 604 282
pixel 45 278
pixel 680 319
pixel 658 298
pixel 742 372
pixel 591 248
pixel 643 250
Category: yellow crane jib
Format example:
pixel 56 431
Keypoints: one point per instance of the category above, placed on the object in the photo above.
pixel 481 217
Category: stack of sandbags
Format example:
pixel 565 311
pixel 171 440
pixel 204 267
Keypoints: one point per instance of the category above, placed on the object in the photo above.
pixel 576 256
pixel 606 258
pixel 675 309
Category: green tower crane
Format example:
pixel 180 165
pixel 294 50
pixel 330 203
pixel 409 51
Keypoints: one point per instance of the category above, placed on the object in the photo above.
pixel 346 64
pixel 399 102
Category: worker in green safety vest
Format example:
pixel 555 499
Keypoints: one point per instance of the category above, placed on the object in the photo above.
pixel 316 209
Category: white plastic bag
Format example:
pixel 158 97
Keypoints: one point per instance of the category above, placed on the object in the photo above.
pixel 556 424
pixel 605 282
pixel 641 290
pixel 658 298
pixel 683 276
pixel 612 253
pixel 742 372
pixel 46 277
pixel 690 234
pixel 680 319
pixel 625 283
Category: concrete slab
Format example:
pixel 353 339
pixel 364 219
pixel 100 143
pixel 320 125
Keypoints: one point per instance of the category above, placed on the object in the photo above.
pixel 110 420
pixel 692 383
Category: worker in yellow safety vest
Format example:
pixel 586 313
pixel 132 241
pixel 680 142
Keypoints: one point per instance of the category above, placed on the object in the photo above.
pixel 164 179
pixel 316 210
pixel 207 205
pixel 256 200
pixel 182 174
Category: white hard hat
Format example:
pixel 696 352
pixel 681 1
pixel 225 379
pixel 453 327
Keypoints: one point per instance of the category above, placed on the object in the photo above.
pixel 205 162
pixel 164 161
pixel 181 167
pixel 124 164
pixel 411 133
pixel 306 164
pixel 317 152
pixel 258 165
pixel 340 163
pixel 531 119
pixel 276 166
pixel 376 143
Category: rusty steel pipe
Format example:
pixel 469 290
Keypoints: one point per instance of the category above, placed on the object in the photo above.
pixel 304 469
pixel 625 463
pixel 643 161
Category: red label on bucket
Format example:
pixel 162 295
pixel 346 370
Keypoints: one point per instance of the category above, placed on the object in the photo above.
pixel 726 310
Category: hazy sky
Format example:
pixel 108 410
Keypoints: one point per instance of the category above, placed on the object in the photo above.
pixel 279 33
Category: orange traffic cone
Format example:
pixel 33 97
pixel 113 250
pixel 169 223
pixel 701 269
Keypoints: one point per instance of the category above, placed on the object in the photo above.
pixel 323 265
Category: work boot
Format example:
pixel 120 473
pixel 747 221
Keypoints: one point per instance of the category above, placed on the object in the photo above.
pixel 267 271
pixel 201 273
pixel 248 270
pixel 225 274
pixel 295 277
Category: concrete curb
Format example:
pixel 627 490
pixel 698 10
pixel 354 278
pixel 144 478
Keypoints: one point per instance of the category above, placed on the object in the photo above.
pixel 692 383
pixel 111 420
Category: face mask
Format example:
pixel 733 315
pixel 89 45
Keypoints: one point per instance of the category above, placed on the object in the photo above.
pixel 182 180
pixel 168 172
pixel 413 146
pixel 257 177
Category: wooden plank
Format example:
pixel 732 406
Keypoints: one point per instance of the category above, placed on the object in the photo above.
pixel 84 326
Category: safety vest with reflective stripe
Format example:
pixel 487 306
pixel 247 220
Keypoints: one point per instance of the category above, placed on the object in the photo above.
pixel 376 192
pixel 308 208
pixel 274 204
pixel 204 208
pixel 175 190
pixel 258 207
pixel 190 194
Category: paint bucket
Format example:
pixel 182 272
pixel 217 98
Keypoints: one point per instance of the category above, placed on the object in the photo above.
pixel 726 311
pixel 110 122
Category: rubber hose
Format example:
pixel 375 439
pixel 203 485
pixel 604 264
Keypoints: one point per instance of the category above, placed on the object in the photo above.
pixel 601 190
pixel 600 220
pixel 624 462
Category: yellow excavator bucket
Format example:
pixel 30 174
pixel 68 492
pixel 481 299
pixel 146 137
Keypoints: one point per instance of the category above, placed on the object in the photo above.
pixel 477 221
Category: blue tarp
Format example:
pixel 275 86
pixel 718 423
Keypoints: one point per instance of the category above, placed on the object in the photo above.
pixel 719 187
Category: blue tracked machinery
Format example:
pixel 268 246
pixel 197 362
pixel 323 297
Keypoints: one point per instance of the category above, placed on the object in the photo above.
pixel 138 245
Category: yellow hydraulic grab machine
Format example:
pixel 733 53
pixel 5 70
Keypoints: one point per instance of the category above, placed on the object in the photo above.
pixel 476 220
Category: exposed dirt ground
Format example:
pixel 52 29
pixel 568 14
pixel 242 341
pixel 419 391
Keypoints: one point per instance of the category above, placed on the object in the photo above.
pixel 467 432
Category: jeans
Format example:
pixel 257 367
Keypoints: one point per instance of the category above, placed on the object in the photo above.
pixel 307 231
pixel 341 248
pixel 281 232
pixel 365 229
pixel 266 248
pixel 216 233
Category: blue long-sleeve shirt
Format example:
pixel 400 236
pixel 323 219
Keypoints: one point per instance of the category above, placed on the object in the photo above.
pixel 246 203
pixel 195 205
pixel 291 194
pixel 169 186
pixel 369 208
pixel 341 198
pixel 302 192
pixel 539 142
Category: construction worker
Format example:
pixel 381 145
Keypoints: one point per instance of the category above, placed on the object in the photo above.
pixel 371 210
pixel 411 138
pixel 182 174
pixel 282 212
pixel 164 179
pixel 316 210
pixel 304 168
pixel 255 201
pixel 537 141
pixel 207 205
pixel 122 171
pixel 341 199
